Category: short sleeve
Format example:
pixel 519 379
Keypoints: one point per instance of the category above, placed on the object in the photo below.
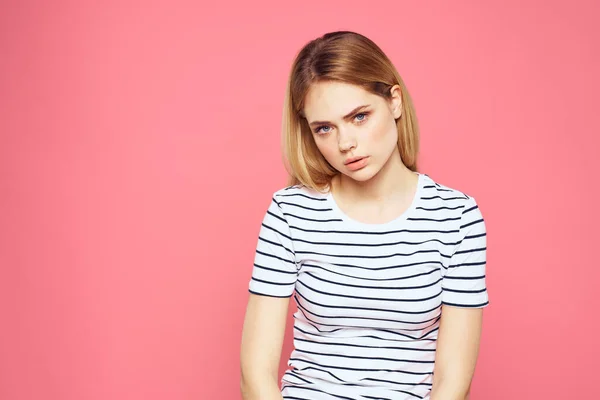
pixel 464 282
pixel 274 272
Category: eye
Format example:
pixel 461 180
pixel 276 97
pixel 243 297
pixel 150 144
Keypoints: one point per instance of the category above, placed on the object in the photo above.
pixel 318 130
pixel 360 118
pixel 363 115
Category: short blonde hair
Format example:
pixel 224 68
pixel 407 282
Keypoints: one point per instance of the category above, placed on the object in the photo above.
pixel 347 57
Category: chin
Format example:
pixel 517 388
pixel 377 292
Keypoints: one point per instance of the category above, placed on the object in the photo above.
pixel 361 175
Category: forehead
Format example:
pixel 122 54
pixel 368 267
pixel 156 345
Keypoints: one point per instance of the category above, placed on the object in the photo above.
pixel 330 100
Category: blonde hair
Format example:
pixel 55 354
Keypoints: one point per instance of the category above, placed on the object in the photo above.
pixel 347 57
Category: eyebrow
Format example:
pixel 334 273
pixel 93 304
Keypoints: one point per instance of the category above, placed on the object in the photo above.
pixel 346 117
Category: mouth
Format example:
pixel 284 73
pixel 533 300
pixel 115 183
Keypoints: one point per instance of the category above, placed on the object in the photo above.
pixel 353 160
pixel 357 163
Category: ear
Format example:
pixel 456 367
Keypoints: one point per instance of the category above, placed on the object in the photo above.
pixel 396 101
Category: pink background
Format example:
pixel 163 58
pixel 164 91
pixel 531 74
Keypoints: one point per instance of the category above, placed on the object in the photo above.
pixel 140 147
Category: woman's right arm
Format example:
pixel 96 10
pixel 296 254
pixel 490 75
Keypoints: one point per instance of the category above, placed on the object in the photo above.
pixel 262 342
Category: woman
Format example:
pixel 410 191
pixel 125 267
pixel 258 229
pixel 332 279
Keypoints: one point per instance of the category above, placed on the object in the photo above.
pixel 386 266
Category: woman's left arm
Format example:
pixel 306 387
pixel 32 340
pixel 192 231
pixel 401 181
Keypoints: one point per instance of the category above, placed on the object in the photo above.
pixel 456 354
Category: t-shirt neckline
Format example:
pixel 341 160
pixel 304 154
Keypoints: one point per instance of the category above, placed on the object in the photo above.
pixel 346 219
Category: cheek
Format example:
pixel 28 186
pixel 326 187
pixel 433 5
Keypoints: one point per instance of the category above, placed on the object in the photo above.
pixel 327 148
pixel 384 131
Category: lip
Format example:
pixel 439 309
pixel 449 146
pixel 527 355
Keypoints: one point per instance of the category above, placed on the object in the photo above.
pixel 348 161
pixel 359 164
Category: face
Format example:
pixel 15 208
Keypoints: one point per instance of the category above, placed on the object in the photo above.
pixel 347 122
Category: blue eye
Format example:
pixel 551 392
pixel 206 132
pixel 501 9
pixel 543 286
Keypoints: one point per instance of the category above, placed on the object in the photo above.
pixel 360 118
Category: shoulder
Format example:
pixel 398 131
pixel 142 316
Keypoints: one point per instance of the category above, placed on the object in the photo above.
pixel 437 190
pixel 455 203
pixel 298 195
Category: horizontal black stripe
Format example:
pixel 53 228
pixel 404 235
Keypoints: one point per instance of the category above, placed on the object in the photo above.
pixel 305 207
pixel 442 198
pixel 359 232
pixel 430 262
pixel 262 239
pixel 358 369
pixel 470 250
pixel 292 373
pixel 303 195
pixel 375 287
pixel 312 389
pixel 378 338
pixel 365 358
pixel 399 383
pixel 320 370
pixel 273 283
pixel 312 219
pixel 475 207
pixel 269 212
pixel 439 208
pixel 466 305
pixel 472 237
pixel 433 219
pixel 386 398
pixel 432 271
pixel 366 308
pixel 277 233
pixel 372 257
pixel 360 346
pixel 279 271
pixel 465 277
pixel 397 321
pixel 463 291
pixel 273 256
pixel 268 294
pixel 346 296
pixel 472 264
pixel 346 244
pixel 471 223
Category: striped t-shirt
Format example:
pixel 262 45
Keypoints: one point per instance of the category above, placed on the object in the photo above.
pixel 369 296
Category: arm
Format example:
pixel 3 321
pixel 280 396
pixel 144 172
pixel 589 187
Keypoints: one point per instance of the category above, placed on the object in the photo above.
pixel 464 296
pixel 273 281
pixel 262 341
pixel 456 353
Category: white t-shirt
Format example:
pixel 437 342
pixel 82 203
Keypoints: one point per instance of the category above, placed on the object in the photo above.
pixel 369 296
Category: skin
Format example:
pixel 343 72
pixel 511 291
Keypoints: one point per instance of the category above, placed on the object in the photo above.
pixel 384 187
pixel 376 193
pixel 262 342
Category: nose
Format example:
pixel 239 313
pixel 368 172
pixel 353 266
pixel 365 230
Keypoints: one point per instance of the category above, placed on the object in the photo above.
pixel 346 140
